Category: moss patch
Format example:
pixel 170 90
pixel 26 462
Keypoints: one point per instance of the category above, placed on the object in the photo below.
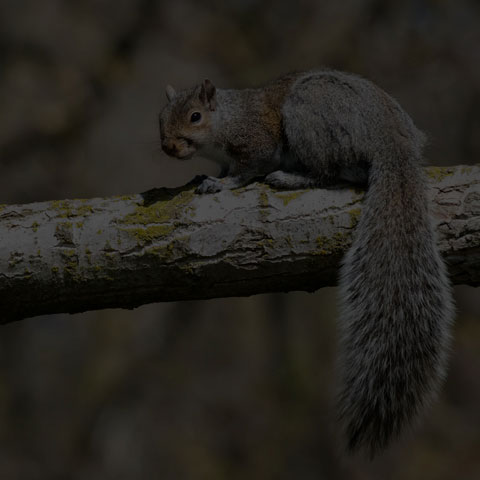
pixel 265 243
pixel 288 197
pixel 149 234
pixel 161 252
pixel 354 216
pixel 439 173
pixel 466 170
pixel 263 203
pixel 238 191
pixel 263 199
pixel 155 221
pixel 357 191
pixel 14 259
pixel 162 211
pixel 100 272
pixel 337 243
pixel 171 250
pixel 70 263
pixel 124 197
pixel 63 233
pixel 65 209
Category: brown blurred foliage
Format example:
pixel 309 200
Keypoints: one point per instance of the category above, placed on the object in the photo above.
pixel 229 388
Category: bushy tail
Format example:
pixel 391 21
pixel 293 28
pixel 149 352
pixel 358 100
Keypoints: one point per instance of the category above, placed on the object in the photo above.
pixel 396 310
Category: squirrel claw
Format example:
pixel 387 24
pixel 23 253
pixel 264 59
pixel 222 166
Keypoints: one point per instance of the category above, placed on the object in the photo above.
pixel 210 185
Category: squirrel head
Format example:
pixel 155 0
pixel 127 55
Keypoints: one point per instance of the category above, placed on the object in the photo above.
pixel 186 121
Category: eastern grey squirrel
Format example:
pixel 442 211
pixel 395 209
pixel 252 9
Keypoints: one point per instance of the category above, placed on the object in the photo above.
pixel 319 128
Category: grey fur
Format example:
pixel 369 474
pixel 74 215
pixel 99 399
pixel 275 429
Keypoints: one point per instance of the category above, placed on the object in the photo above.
pixel 318 129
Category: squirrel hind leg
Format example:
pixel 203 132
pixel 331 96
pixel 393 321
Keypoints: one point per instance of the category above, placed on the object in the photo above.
pixel 289 181
pixel 357 174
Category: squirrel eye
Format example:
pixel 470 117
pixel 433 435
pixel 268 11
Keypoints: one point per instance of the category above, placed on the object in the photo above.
pixel 196 116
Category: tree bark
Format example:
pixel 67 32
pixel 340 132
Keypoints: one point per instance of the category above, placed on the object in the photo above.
pixel 171 244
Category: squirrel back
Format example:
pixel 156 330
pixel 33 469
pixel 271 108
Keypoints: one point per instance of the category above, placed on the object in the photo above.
pixel 315 129
pixel 395 297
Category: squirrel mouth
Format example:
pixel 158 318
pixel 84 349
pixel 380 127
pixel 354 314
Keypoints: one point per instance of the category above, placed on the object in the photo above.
pixel 182 148
pixel 188 149
pixel 185 155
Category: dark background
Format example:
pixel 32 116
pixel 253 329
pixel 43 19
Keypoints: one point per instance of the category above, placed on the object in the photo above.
pixel 230 388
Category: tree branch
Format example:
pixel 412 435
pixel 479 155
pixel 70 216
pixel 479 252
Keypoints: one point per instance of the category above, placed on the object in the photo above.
pixel 170 244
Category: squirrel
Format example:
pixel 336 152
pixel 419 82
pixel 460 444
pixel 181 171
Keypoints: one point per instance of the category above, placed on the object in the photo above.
pixel 318 129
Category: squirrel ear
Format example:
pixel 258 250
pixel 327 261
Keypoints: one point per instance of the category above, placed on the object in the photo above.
pixel 208 94
pixel 170 91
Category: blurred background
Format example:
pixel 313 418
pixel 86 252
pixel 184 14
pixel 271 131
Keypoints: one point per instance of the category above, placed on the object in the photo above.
pixel 230 388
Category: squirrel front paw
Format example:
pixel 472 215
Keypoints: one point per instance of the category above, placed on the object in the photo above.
pixel 210 185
